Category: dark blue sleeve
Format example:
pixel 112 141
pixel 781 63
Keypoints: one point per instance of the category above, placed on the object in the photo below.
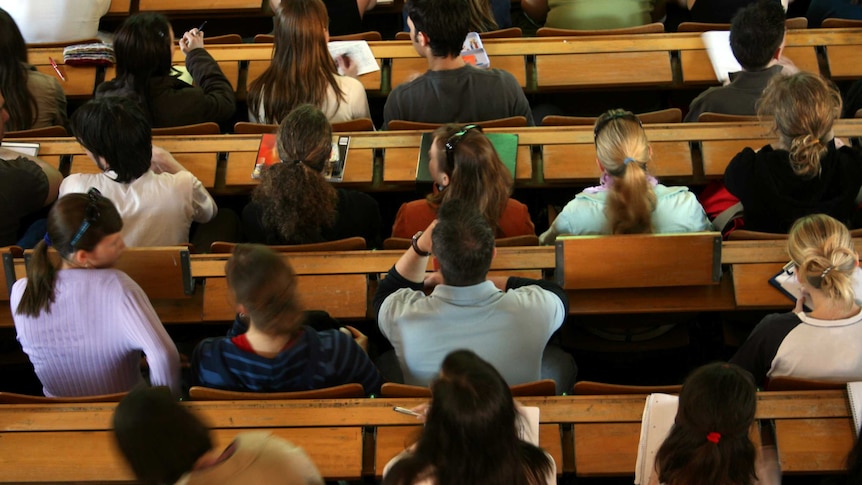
pixel 760 348
pixel 392 283
pixel 353 364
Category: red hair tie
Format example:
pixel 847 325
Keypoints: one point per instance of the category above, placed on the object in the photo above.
pixel 714 437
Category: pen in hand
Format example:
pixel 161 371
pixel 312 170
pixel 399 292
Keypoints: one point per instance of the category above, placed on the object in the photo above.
pixel 410 412
pixel 201 28
pixel 57 69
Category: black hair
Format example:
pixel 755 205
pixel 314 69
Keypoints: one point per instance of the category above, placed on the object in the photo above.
pixel 756 32
pixel 463 243
pixel 116 129
pixel 445 22
pixel 160 439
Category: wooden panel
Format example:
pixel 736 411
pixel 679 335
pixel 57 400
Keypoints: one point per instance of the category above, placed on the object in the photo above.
pixel 606 449
pixel 120 7
pixel 652 300
pixel 844 61
pixel 752 289
pixel 80 80
pixel 371 81
pixel 813 445
pixel 343 296
pixel 696 68
pixel 590 262
pixel 600 70
pixel 578 161
pixel 198 5
pixel 337 452
pixel 407 69
pixel 717 154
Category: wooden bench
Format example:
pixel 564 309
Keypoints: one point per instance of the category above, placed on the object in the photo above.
pixel 588 436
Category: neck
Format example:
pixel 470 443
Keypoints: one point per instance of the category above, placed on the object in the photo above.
pixel 265 344
pixel 445 63
pixel 830 309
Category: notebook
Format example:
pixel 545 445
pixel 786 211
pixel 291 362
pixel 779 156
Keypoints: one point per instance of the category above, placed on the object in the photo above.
pixel 854 393
pixel 717 43
pixel 785 281
pixel 267 154
pixel 659 415
pixel 29 149
pixel 506 145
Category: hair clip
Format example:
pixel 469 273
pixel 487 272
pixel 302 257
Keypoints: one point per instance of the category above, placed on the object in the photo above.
pixel 47 239
pixel 825 272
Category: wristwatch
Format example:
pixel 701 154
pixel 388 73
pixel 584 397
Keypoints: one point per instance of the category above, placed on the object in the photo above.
pixel 415 244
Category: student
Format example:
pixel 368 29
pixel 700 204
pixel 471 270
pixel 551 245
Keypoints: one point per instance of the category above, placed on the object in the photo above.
pixel 280 350
pixel 294 204
pixel 143 45
pixel 804 171
pixel 163 442
pixel 451 90
pixel 629 200
pixel 303 71
pixel 82 324
pixel 816 344
pixel 156 196
pixel 56 21
pixel 757 41
pixel 345 16
pixel 470 433
pixel 33 99
pixel 590 14
pixel 465 165
pixel 709 442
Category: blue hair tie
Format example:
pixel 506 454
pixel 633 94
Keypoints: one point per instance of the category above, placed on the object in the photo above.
pixel 628 160
pixel 47 239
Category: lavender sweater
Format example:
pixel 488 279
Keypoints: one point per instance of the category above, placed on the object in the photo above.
pixel 91 340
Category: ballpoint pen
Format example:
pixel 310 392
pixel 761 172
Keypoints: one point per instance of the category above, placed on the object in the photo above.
pixel 57 69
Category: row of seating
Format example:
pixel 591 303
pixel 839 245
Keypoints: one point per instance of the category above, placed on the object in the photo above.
pixel 718 276
pixel 587 436
pixel 122 8
pixel 689 154
pixel 540 64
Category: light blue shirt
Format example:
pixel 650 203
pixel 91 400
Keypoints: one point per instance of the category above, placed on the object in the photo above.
pixel 677 210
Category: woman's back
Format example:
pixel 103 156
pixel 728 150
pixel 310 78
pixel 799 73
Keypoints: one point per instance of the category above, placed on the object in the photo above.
pixel 91 340
pixel 598 15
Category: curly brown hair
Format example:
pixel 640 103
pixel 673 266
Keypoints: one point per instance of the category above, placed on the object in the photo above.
pixel 296 200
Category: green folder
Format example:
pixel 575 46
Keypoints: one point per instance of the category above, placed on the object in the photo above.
pixel 506 145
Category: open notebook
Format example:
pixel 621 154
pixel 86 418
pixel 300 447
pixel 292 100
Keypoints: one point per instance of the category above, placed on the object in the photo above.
pixel 854 393
pixel 658 418
pixel 785 281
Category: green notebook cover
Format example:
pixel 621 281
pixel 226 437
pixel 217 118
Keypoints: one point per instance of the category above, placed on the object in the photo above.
pixel 506 145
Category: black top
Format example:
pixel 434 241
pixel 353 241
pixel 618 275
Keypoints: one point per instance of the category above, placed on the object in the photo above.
pixel 344 17
pixel 357 215
pixel 23 190
pixel 773 196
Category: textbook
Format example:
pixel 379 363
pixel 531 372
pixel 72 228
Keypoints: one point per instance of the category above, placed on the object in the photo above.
pixel 659 415
pixel 785 281
pixel 353 51
pixel 473 52
pixel 506 145
pixel 29 149
pixel 267 155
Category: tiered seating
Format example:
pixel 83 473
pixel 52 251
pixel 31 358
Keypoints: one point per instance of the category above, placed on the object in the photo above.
pixel 353 438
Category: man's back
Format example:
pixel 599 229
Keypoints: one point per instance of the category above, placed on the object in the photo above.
pixel 458 95
pixel 508 329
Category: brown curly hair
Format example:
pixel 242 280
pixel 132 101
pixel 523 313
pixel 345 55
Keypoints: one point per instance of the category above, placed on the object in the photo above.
pixel 296 200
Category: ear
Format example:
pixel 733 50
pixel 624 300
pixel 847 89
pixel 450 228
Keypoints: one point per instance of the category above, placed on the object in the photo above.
pixel 780 50
pixel 80 258
pixel 240 308
pixel 444 180
pixel 494 254
pixel 422 39
pixel 650 151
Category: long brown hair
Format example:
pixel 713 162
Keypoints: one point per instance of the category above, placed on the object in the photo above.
pixel 477 175
pixel 803 107
pixel 22 107
pixel 481 16
pixel 296 199
pixel 301 70
pixel 623 150
pixel 65 220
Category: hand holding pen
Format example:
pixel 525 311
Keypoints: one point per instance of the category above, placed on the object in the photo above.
pixel 193 39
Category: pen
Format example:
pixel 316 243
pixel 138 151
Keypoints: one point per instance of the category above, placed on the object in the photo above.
pixel 57 69
pixel 399 409
pixel 201 28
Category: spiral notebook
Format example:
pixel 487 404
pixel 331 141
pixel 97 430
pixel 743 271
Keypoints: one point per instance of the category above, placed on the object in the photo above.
pixel 659 415
pixel 854 393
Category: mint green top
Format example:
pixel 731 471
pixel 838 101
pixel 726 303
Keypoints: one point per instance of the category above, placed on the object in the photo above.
pixel 598 14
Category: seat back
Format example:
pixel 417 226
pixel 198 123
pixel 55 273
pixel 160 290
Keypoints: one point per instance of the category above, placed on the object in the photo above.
pixel 224 39
pixel 544 387
pixel 207 128
pixel 8 275
pixel 370 36
pixel 591 388
pixel 653 28
pixel 14 398
pixel 791 24
pixel 746 235
pixel 638 261
pixel 510 122
pixel 247 128
pixel 351 390
pixel 347 244
pixel 503 242
pixel 840 24
pixel 708 117
pixel 796 384
pixel 670 115
pixel 37 132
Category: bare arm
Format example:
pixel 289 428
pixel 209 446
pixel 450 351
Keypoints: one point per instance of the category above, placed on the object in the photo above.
pixel 365 5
